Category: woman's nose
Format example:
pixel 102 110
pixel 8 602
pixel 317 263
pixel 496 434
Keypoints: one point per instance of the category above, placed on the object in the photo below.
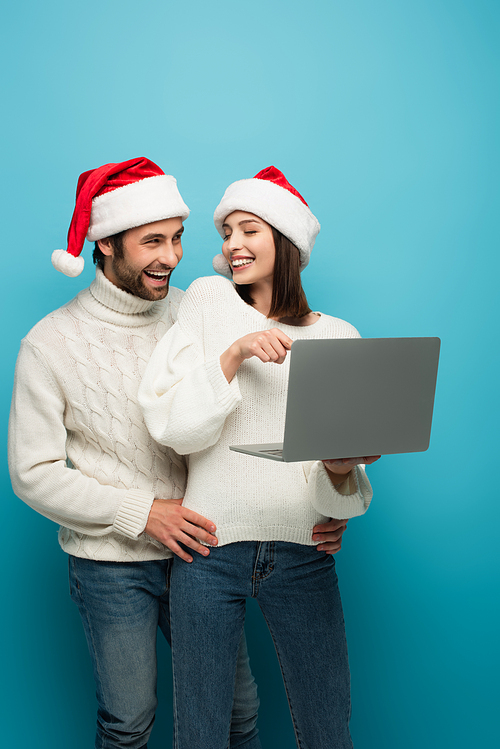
pixel 233 243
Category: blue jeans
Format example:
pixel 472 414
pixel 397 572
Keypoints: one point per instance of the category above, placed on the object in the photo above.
pixel 122 605
pixel 297 590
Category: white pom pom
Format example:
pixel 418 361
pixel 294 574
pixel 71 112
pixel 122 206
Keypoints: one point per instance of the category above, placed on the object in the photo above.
pixel 68 264
pixel 220 265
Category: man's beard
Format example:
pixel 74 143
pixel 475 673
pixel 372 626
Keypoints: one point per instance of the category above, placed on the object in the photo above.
pixel 131 280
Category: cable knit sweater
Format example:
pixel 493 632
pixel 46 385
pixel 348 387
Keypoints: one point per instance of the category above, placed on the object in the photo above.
pixel 79 451
pixel 189 405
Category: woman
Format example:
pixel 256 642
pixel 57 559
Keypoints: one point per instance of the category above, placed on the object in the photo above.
pixel 212 382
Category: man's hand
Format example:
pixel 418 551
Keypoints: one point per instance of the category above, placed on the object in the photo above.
pixel 170 523
pixel 329 535
pixel 338 469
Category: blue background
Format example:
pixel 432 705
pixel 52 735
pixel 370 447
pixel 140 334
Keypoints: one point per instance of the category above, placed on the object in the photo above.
pixel 384 115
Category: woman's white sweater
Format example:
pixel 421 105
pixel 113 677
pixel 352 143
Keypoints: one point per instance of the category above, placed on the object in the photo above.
pixel 189 405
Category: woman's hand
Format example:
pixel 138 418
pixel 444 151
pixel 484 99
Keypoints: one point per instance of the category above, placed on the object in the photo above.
pixel 339 468
pixel 267 345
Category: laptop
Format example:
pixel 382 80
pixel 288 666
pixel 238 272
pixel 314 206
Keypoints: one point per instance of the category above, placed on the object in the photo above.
pixel 356 397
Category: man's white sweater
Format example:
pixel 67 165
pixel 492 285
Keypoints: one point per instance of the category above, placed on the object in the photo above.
pixel 189 405
pixel 79 451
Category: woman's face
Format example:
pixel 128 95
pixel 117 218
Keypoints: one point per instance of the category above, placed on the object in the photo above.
pixel 248 247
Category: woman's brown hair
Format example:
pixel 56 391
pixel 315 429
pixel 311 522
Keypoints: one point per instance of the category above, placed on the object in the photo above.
pixel 288 298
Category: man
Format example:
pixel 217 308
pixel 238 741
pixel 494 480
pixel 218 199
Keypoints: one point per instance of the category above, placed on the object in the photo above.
pixel 80 454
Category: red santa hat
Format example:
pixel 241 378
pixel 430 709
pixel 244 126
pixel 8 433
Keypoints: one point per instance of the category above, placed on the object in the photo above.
pixel 270 196
pixel 116 197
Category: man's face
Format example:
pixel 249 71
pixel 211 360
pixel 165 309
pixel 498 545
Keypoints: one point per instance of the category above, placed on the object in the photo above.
pixel 150 253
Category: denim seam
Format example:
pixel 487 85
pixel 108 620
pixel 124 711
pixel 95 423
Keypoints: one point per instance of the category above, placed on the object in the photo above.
pixel 294 723
pixel 174 684
pixel 174 703
pixel 91 634
pixel 168 575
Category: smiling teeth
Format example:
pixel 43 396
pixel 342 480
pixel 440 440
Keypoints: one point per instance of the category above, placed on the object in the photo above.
pixel 239 263
pixel 157 274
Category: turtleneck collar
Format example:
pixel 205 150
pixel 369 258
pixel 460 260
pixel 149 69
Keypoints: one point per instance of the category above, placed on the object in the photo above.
pixel 107 302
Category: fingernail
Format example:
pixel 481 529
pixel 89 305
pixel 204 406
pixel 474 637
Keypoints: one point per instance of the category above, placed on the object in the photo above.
pixel 316 538
pixel 213 541
pixel 212 528
pixel 320 548
pixel 205 552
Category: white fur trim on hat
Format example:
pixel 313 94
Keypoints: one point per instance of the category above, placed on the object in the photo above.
pixel 220 265
pixel 150 199
pixel 68 264
pixel 277 206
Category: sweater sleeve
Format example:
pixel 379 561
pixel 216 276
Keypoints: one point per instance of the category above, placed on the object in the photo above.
pixel 347 500
pixel 38 463
pixel 186 398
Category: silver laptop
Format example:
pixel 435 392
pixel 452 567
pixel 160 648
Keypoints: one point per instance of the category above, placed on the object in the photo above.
pixel 356 397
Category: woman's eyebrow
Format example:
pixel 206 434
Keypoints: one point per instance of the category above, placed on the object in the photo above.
pixel 245 221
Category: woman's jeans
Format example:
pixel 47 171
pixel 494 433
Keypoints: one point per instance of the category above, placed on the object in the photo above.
pixel 297 590
pixel 122 604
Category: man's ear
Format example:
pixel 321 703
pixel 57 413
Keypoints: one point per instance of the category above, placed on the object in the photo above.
pixel 105 246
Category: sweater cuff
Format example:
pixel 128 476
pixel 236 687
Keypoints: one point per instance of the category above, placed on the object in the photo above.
pixel 133 514
pixel 349 499
pixel 227 393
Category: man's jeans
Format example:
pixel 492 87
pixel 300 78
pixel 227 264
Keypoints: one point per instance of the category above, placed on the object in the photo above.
pixel 297 590
pixel 122 604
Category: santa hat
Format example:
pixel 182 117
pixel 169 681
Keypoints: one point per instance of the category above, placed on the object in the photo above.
pixel 270 196
pixel 116 197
